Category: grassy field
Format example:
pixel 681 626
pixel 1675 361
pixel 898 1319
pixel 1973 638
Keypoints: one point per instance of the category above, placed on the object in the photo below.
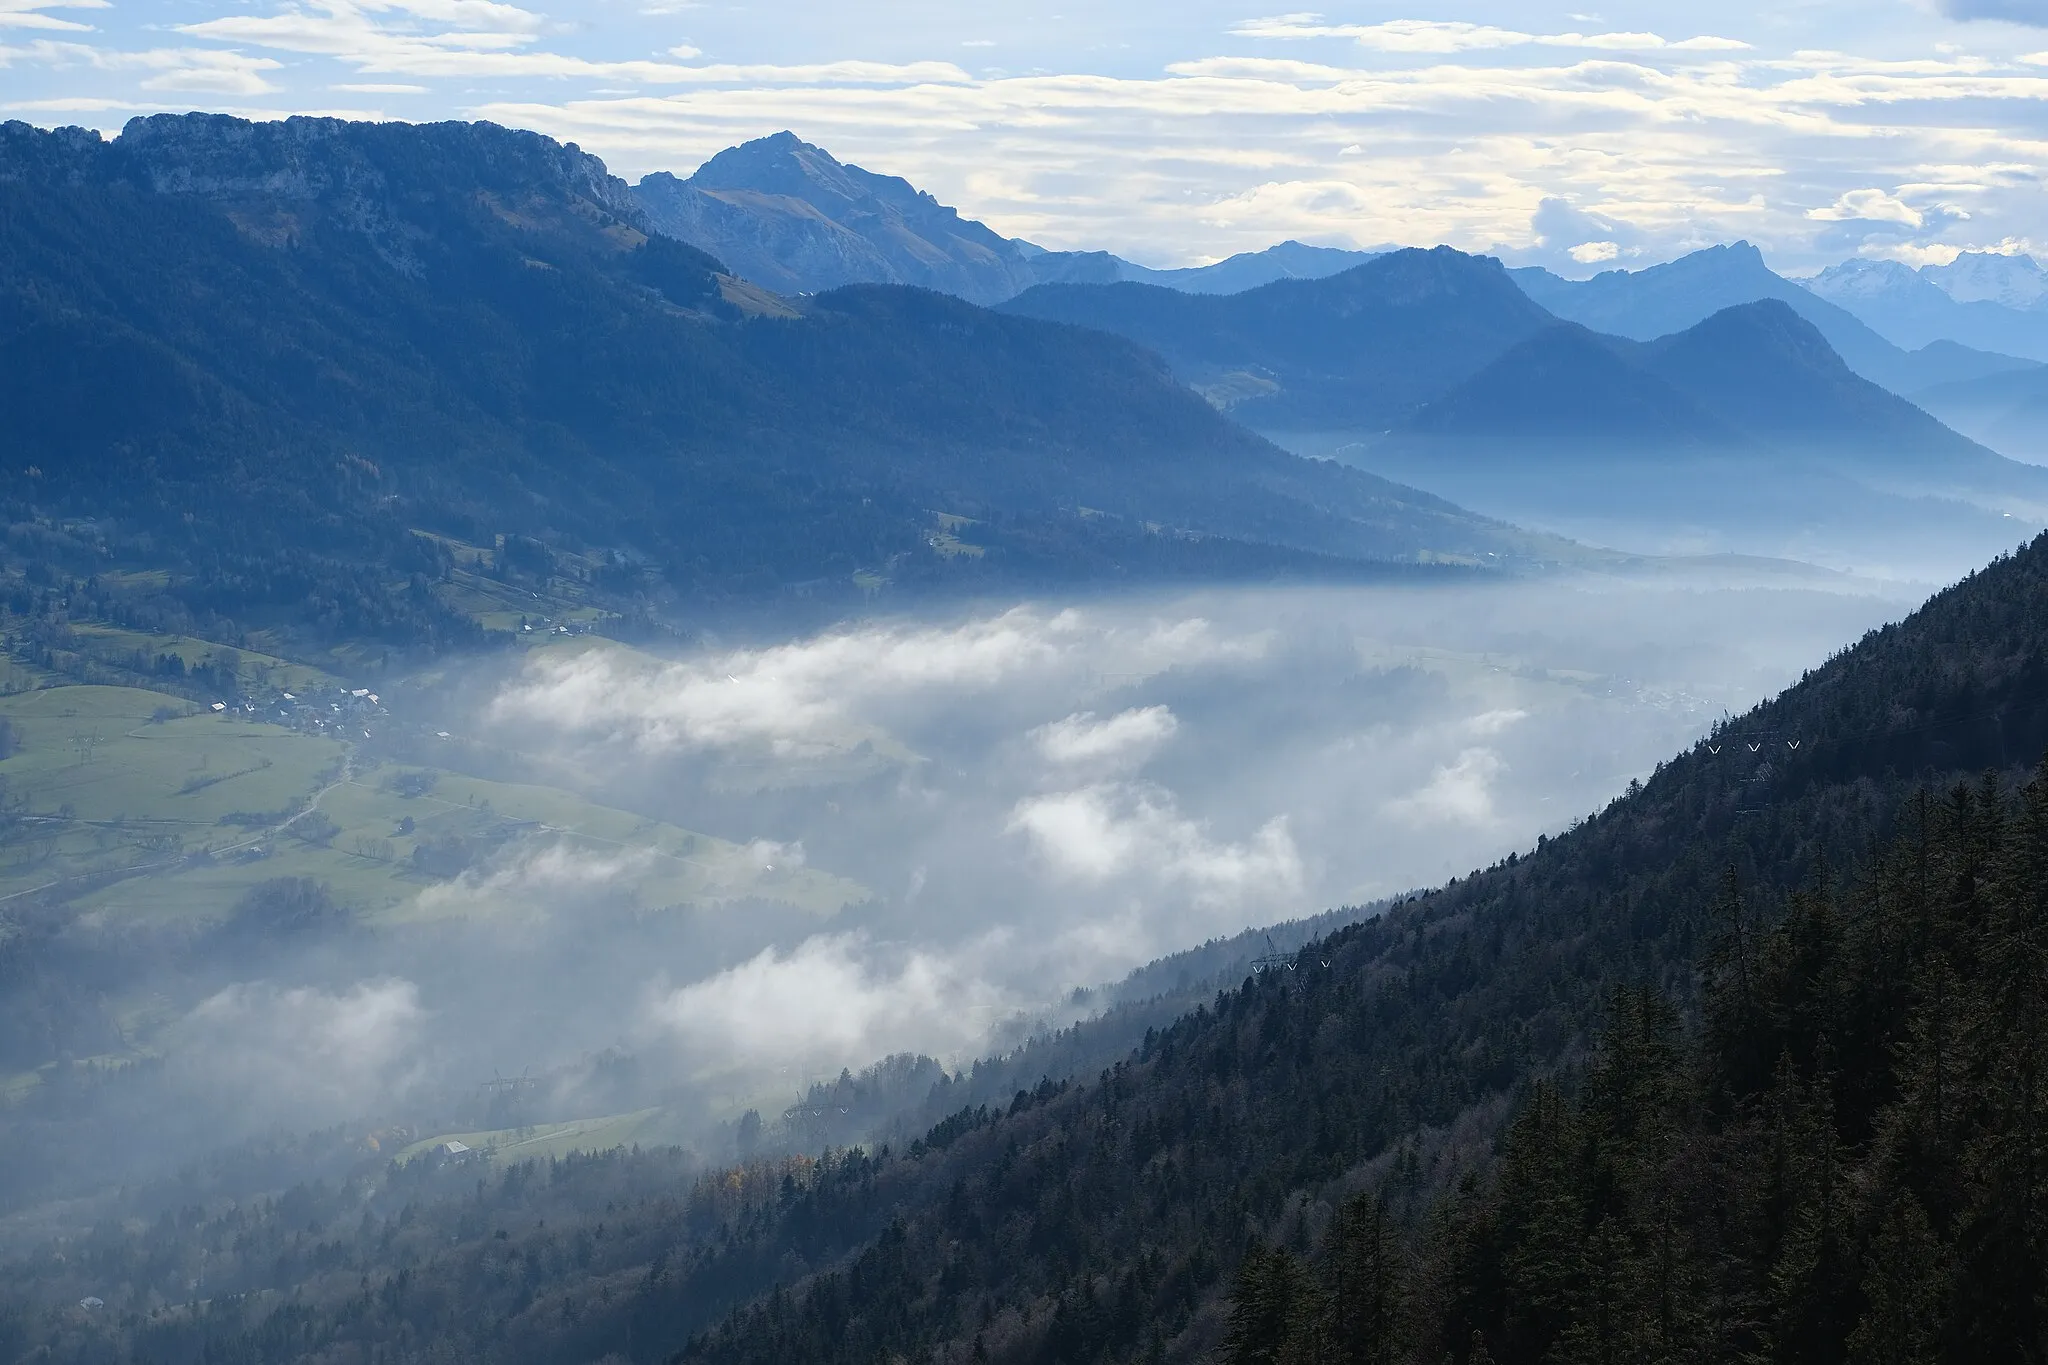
pixel 108 779
pixel 196 808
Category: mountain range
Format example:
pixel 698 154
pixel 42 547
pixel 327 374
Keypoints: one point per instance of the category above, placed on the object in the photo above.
pixel 1747 419
pixel 1661 299
pixel 788 215
pixel 230 345
pixel 1912 307
pixel 1744 430
pixel 463 331
pixel 1738 1067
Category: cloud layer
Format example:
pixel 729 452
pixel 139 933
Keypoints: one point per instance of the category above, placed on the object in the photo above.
pixel 1043 797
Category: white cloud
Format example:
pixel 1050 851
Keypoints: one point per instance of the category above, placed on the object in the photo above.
pixel 1127 737
pixel 1118 831
pixel 198 70
pixel 495 40
pixel 302 1053
pixel 1439 37
pixel 833 1000
pixel 32 14
pixel 532 883
pixel 814 695
pixel 1592 253
pixel 1868 205
pixel 1460 792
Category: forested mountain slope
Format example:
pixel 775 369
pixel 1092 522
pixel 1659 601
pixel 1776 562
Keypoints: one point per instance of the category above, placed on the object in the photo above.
pixel 1111 1221
pixel 360 331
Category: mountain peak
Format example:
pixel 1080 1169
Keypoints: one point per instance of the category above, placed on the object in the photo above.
pixel 788 214
pixel 1992 277
pixel 783 163
pixel 1767 330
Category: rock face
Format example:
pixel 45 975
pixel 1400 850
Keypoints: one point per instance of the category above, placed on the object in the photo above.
pixel 390 183
pixel 790 216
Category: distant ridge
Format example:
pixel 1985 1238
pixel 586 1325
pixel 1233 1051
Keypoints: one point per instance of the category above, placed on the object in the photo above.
pixel 1359 349
pixel 1662 299
pixel 1910 307
pixel 791 217
pixel 1744 432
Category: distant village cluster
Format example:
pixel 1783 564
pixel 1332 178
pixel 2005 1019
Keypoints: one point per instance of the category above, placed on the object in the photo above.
pixel 320 710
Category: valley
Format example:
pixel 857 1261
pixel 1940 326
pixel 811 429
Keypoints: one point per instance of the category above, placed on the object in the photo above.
pixel 743 767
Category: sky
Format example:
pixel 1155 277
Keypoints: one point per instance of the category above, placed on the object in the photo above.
pixel 1176 132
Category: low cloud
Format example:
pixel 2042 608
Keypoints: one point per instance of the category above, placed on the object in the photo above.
pixel 812 696
pixel 1127 737
pixel 264 1053
pixel 1460 792
pixel 834 1000
pixel 1115 831
pixel 1566 233
pixel 532 884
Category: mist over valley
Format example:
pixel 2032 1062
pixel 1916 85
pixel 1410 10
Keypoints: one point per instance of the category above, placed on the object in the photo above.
pixel 743 767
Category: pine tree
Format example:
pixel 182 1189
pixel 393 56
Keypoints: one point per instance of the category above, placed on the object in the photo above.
pixel 1366 1286
pixel 1905 1288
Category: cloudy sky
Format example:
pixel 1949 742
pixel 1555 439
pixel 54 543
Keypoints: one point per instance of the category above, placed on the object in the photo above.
pixel 1179 131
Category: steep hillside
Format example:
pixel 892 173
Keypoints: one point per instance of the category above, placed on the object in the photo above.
pixel 367 330
pixel 1357 350
pixel 1129 1219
